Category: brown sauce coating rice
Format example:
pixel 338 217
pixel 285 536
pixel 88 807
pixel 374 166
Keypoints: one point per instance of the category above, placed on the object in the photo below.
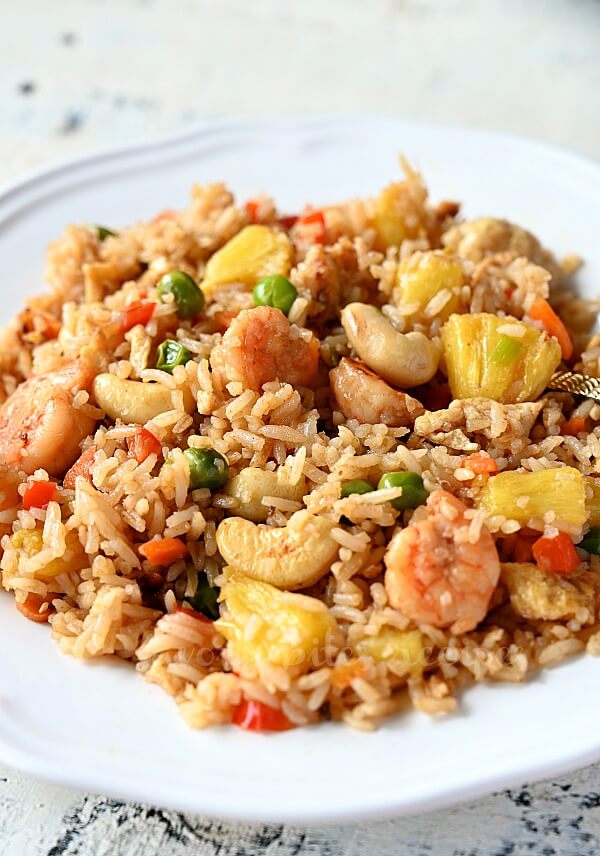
pixel 76 561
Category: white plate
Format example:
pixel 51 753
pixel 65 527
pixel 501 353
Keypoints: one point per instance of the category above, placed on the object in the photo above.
pixel 98 725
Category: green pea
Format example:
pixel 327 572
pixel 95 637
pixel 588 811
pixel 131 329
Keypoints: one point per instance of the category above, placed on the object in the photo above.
pixel 170 354
pixel 205 598
pixel 207 468
pixel 276 291
pixel 413 491
pixel 591 542
pixel 104 232
pixel 356 486
pixel 188 296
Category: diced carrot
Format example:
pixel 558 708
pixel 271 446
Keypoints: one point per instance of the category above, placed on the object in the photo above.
pixel 82 467
pixel 315 221
pixel 193 613
pixel 164 551
pixel 30 608
pixel 480 464
pixel 543 312
pixel 251 207
pixel 556 555
pixel 256 716
pixel 574 426
pixel 39 494
pixel 522 551
pixel 343 674
pixel 289 221
pixel 138 313
pixel 142 444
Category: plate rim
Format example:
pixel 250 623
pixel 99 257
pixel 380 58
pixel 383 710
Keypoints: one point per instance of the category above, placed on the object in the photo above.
pixel 16 196
pixel 198 129
pixel 103 785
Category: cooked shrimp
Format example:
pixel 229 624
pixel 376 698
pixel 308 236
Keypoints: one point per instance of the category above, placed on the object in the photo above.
pixel 440 573
pixel 261 345
pixel 39 425
pixel 486 236
pixel 362 395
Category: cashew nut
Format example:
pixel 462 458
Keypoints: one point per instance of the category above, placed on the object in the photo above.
pixel 362 395
pixel 289 557
pixel 133 401
pixel 252 484
pixel 403 359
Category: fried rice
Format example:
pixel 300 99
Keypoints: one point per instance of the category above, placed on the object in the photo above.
pixel 282 595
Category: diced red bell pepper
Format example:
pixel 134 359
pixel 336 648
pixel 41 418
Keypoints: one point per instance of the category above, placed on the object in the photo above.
pixel 142 444
pixel 251 207
pixel 255 716
pixel 39 494
pixel 315 221
pixel 556 555
pixel 288 221
pixel 138 313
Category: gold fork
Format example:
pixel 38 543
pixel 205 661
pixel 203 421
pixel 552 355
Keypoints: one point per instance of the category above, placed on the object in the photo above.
pixel 576 384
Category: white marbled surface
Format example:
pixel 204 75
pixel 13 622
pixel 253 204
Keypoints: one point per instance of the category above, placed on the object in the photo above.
pixel 76 75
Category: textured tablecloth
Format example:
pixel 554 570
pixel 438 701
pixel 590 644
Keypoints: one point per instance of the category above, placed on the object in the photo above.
pixel 79 74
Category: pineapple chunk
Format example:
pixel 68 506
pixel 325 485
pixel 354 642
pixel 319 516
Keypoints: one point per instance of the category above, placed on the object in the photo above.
pixel 388 220
pixel 478 366
pixel 400 211
pixel 30 542
pixel 541 596
pixel 423 275
pixel 253 254
pixel 592 500
pixel 529 496
pixel 287 629
pixel 391 644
